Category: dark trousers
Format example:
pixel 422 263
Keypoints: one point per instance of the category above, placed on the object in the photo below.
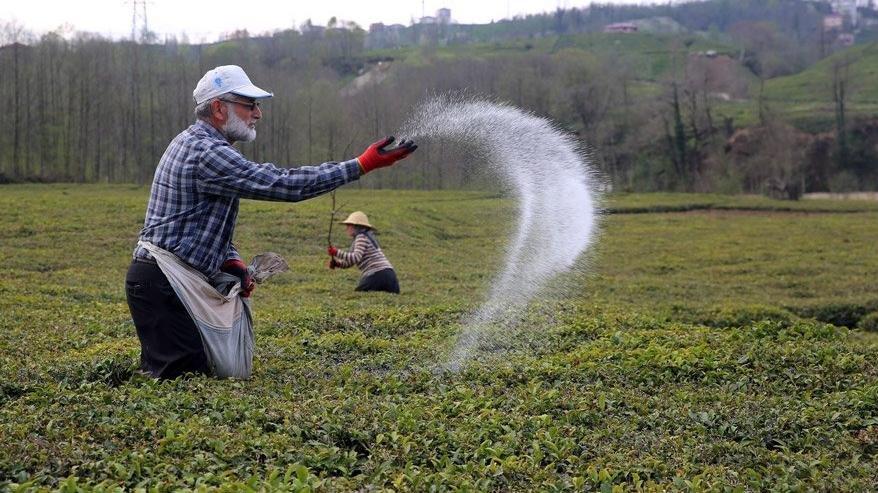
pixel 383 280
pixel 170 344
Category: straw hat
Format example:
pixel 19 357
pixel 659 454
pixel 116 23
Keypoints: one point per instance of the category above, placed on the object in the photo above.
pixel 357 218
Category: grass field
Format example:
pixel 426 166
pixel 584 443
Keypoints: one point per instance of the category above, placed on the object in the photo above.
pixel 707 343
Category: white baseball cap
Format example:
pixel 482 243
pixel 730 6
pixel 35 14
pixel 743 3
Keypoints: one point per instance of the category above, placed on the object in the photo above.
pixel 223 79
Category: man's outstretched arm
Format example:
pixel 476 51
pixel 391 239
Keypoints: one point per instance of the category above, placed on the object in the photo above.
pixel 225 171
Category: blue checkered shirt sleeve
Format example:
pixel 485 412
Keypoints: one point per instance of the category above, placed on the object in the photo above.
pixel 225 171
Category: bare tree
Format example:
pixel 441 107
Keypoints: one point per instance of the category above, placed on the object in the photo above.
pixel 840 72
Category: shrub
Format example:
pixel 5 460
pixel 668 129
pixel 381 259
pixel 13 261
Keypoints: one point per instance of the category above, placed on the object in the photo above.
pixel 737 316
pixel 840 314
pixel 869 322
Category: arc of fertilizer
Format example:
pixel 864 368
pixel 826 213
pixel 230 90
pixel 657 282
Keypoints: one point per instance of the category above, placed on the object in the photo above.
pixel 552 181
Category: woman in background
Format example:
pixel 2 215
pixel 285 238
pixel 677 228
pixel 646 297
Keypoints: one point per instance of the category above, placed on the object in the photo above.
pixel 366 254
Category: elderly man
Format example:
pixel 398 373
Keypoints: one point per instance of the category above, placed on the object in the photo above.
pixel 193 206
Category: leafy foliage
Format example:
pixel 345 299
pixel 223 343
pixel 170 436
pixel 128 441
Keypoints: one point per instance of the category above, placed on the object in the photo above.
pixel 681 355
pixel 869 322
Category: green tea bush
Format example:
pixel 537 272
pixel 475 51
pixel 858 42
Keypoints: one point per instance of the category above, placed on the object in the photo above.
pixel 690 352
pixel 842 314
pixel 738 316
pixel 869 322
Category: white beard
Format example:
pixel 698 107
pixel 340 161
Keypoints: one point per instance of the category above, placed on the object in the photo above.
pixel 236 130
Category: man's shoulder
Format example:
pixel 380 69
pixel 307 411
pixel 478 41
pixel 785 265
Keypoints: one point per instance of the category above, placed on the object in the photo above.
pixel 203 131
pixel 202 137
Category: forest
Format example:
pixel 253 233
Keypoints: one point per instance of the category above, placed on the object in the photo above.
pixel 715 96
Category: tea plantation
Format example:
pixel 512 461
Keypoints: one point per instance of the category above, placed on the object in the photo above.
pixel 707 343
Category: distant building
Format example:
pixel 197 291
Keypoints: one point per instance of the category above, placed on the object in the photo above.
pixel 846 8
pixel 444 16
pixel 621 27
pixel 845 39
pixel 428 30
pixel 833 22
pixel 15 46
pixel 308 28
pixel 383 36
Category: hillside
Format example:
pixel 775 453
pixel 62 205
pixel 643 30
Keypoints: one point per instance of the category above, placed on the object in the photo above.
pixel 806 99
pixel 655 110
pixel 814 84
pixel 650 55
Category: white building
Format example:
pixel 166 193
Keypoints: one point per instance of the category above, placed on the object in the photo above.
pixel 847 8
pixel 845 39
pixel 444 16
pixel 621 27
pixel 833 22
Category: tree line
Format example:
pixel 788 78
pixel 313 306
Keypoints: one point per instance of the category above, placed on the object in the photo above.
pixel 88 109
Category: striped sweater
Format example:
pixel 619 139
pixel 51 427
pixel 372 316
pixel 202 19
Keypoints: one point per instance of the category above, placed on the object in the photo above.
pixel 367 257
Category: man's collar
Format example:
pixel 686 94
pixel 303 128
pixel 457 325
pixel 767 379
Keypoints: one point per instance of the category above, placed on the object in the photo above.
pixel 213 131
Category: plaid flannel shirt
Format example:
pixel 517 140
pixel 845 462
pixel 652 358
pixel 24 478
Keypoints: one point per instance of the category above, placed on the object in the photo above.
pixel 200 178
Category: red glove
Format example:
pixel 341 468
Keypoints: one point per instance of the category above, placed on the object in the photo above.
pixel 332 251
pixel 236 267
pixel 376 156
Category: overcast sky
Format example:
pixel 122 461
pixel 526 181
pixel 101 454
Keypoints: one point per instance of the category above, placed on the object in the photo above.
pixel 205 21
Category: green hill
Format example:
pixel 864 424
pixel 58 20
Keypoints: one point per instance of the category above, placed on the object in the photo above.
pixel 815 83
pixel 650 55
pixel 805 99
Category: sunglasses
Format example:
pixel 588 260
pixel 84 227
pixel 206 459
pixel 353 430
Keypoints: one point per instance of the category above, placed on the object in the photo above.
pixel 250 106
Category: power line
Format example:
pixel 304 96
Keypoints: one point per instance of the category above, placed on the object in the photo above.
pixel 138 15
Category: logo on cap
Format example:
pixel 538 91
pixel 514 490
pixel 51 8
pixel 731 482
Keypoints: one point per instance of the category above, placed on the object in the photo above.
pixel 218 82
